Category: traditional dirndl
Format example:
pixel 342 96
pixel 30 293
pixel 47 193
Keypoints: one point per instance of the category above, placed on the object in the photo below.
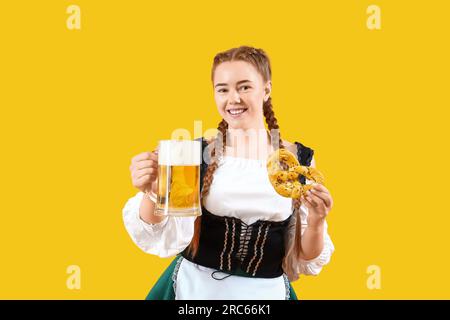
pixel 165 287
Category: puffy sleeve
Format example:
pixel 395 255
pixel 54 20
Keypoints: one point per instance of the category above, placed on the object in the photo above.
pixel 314 266
pixel 165 239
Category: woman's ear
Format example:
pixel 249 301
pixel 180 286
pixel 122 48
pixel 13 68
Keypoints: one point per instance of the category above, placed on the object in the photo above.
pixel 267 90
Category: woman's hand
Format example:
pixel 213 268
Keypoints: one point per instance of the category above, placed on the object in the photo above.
pixel 144 171
pixel 319 203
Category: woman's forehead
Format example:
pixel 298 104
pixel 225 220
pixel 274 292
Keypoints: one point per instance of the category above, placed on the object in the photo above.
pixel 231 72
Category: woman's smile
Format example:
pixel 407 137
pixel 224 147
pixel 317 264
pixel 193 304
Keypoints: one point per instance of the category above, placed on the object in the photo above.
pixel 236 112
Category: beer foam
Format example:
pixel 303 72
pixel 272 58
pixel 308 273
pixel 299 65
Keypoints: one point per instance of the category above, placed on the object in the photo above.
pixel 179 153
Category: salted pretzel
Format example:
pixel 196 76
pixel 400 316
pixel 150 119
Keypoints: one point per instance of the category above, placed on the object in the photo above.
pixel 283 169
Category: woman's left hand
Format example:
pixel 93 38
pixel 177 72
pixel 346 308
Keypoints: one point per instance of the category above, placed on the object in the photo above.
pixel 319 203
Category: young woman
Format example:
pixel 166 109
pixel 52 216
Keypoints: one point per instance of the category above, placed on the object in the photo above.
pixel 250 242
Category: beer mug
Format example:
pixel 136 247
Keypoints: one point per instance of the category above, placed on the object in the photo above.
pixel 178 178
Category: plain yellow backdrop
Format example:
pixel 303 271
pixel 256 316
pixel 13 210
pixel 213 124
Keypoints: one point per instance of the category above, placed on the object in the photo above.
pixel 77 105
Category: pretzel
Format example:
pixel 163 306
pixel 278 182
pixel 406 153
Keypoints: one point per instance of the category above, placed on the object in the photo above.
pixel 283 169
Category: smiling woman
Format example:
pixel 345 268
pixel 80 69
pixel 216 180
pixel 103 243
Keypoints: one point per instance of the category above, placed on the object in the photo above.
pixel 249 242
pixel 239 91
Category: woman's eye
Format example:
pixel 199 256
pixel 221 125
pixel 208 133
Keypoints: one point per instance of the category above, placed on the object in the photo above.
pixel 222 90
pixel 245 87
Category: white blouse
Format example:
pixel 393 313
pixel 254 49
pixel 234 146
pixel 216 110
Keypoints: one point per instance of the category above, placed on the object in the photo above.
pixel 240 189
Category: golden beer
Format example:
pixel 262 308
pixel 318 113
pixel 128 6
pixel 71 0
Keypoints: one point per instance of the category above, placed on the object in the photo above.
pixel 178 178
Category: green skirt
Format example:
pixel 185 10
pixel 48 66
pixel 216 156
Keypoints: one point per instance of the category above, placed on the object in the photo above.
pixel 164 288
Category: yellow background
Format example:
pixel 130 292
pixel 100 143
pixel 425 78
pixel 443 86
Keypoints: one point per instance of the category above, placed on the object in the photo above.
pixel 76 105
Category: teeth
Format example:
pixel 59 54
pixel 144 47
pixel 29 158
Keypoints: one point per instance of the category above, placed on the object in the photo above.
pixel 236 111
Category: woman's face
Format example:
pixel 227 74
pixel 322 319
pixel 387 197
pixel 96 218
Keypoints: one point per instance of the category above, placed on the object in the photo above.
pixel 240 91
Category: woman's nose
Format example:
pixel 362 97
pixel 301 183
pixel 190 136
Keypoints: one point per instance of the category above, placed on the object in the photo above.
pixel 234 97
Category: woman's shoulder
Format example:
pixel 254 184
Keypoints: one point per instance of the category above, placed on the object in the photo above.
pixel 294 145
pixel 304 153
pixel 206 140
pixel 291 146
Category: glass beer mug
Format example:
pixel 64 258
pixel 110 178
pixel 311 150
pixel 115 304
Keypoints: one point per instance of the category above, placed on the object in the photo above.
pixel 178 178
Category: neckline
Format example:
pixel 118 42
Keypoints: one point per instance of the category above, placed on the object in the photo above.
pixel 245 159
pixel 258 160
pixel 297 144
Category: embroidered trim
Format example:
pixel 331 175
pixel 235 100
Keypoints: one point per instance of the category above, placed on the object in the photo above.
pixel 245 237
pixel 255 249
pixel 224 244
pixel 261 249
pixel 232 245
pixel 175 275
pixel 287 286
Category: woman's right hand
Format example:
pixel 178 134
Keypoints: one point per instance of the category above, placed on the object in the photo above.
pixel 144 171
